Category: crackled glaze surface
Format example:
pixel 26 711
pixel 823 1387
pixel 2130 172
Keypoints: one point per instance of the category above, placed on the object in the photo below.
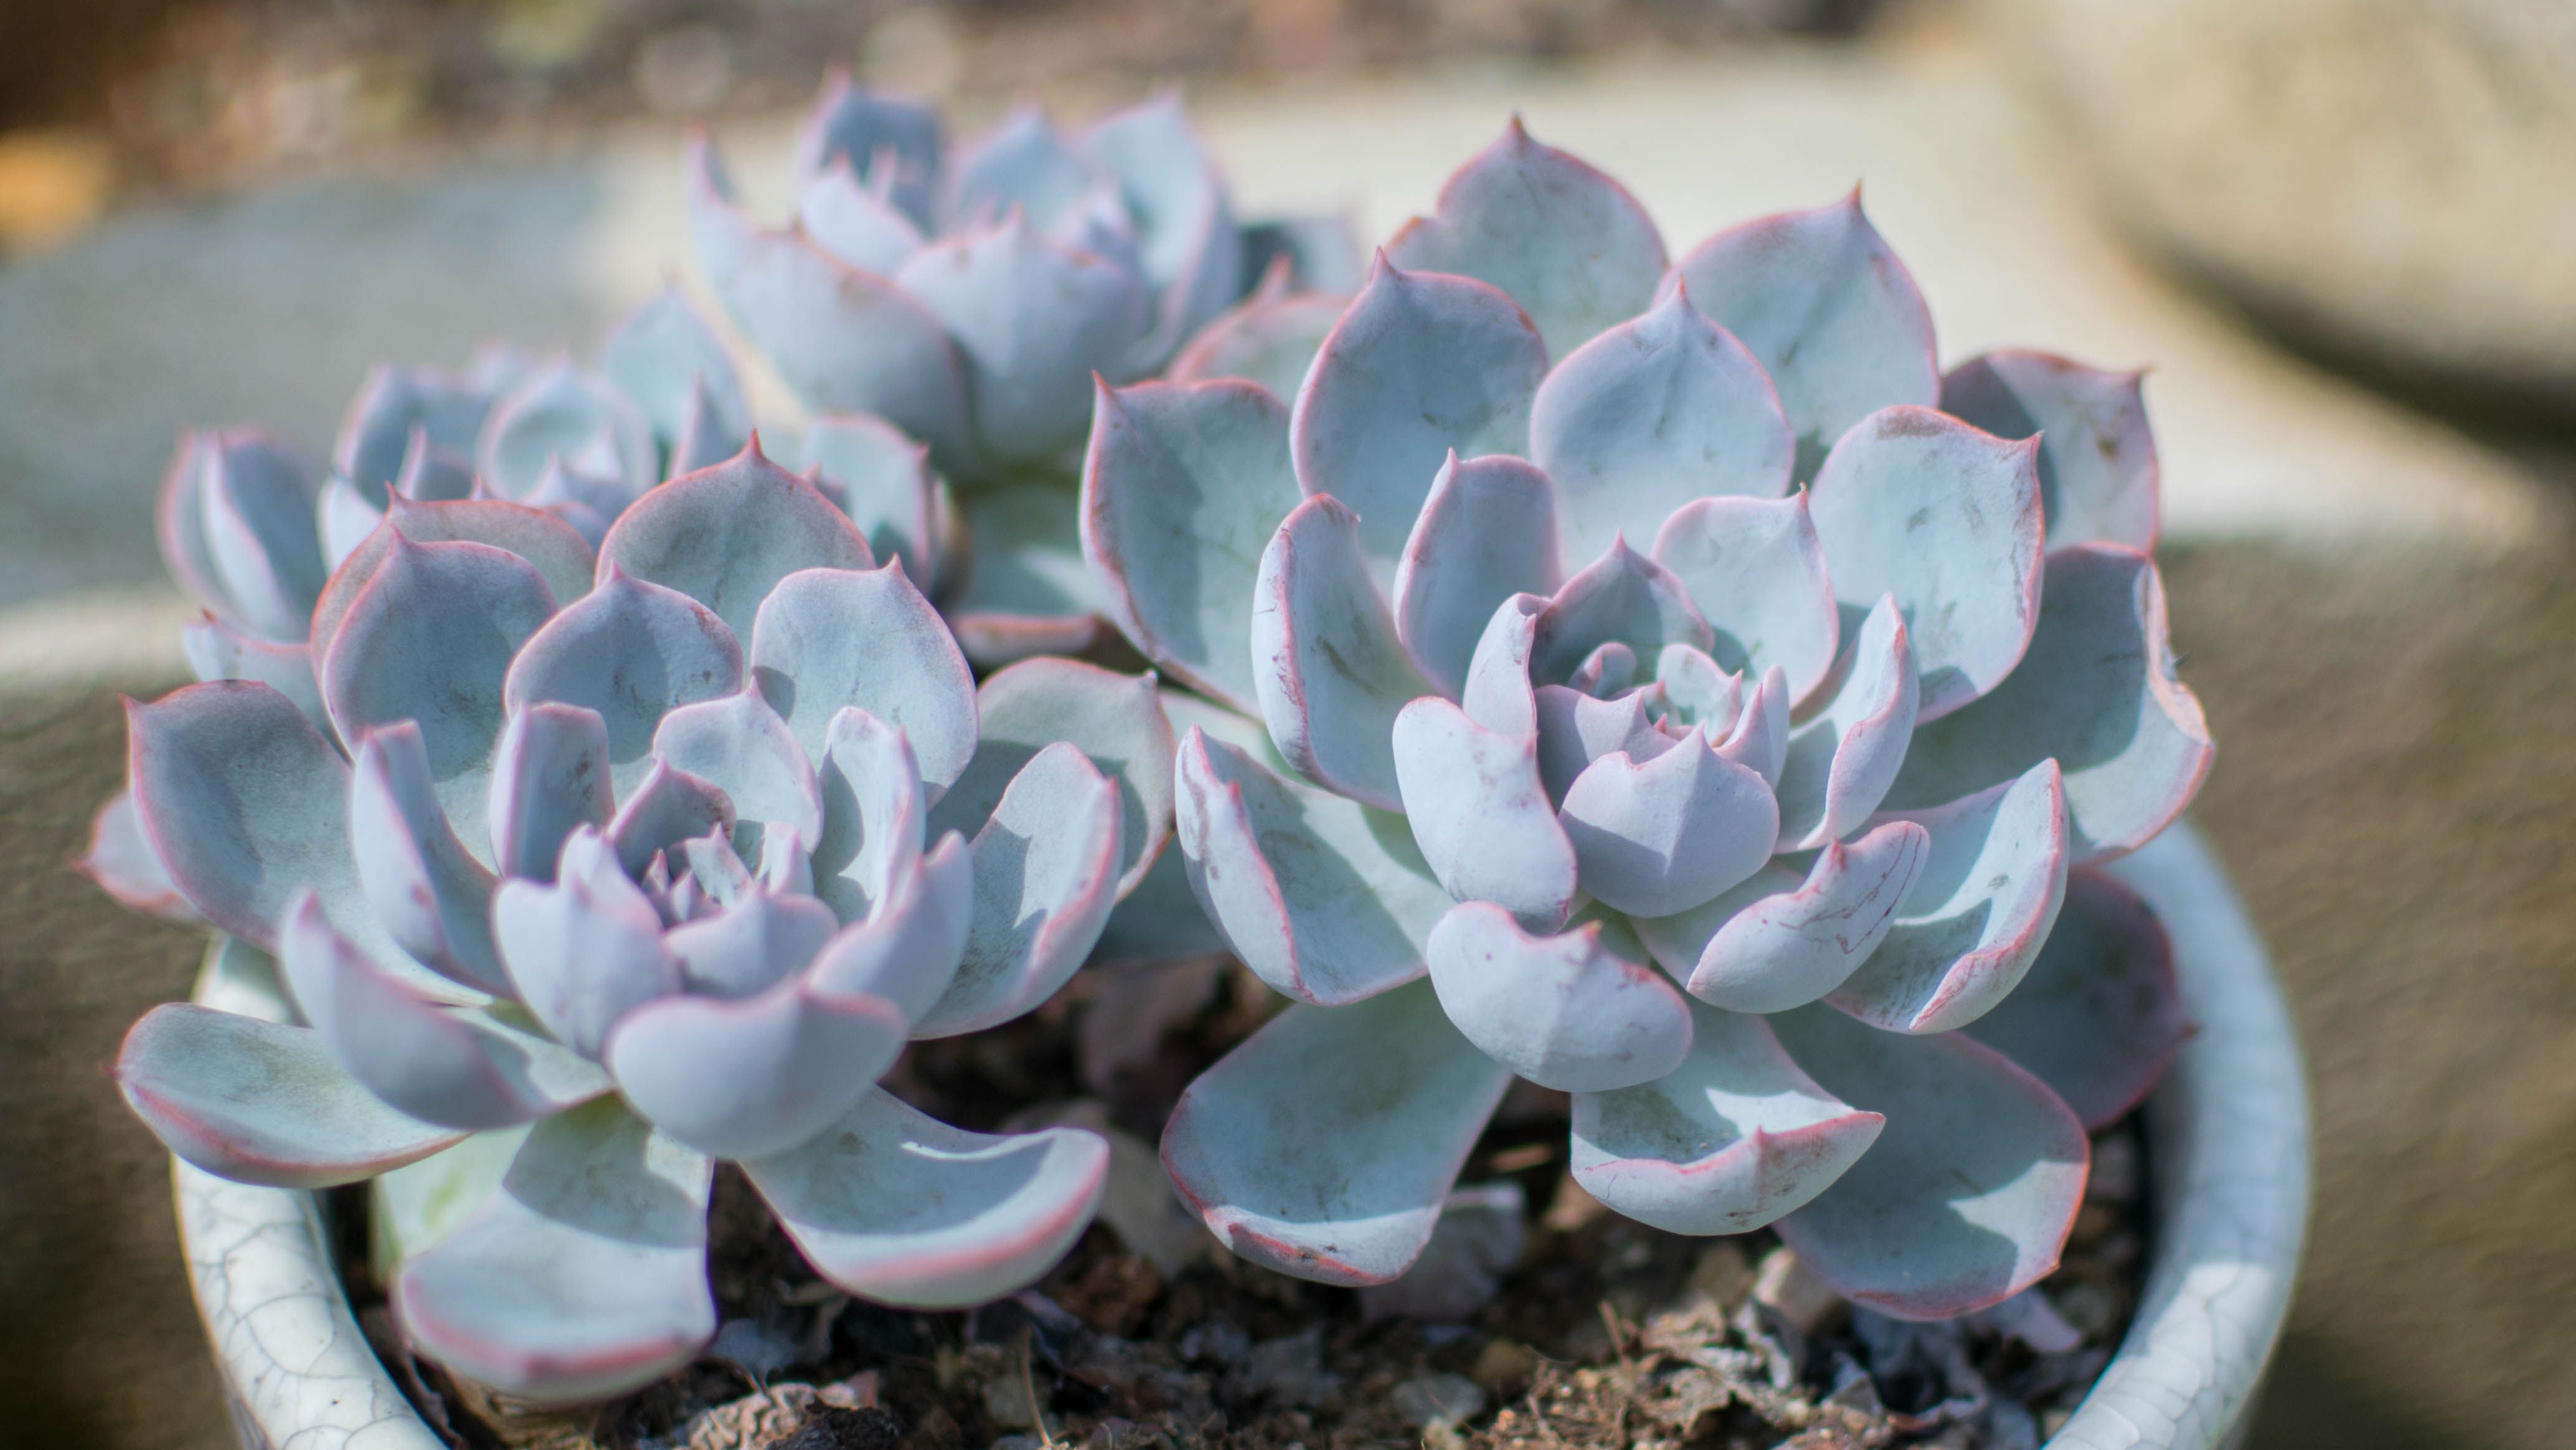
pixel 2229 1136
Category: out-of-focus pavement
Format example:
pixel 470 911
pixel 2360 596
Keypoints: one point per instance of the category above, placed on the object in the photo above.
pixel 2374 607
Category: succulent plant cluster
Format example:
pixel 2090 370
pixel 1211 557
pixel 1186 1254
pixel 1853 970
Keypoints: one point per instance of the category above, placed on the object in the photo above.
pixel 1658 682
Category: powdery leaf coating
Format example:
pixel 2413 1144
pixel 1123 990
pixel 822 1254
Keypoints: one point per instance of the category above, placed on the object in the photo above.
pixel 1967 1195
pixel 1029 592
pixel 873 805
pixel 738 744
pixel 1658 411
pixel 1575 730
pixel 585 950
pixel 1781 940
pixel 549 775
pixel 1116 720
pixel 1663 835
pixel 1581 1012
pixel 1480 812
pixel 1558 236
pixel 430 894
pixel 883 481
pixel 1487 531
pixel 858 226
pixel 1622 596
pixel 908 948
pixel 632 651
pixel 667 360
pixel 558 551
pixel 393 408
pixel 120 860
pixel 826 640
pixel 563 415
pixel 726 535
pixel 758 939
pixel 236 526
pixel 1188 244
pixel 1946 518
pixel 1422 364
pixel 1735 1137
pixel 1755 570
pixel 886 140
pixel 1324 1146
pixel 2099 482
pixel 1841 762
pixel 751 1077
pixel 220 651
pixel 1269 339
pixel 1328 670
pixel 894 1205
pixel 1182 488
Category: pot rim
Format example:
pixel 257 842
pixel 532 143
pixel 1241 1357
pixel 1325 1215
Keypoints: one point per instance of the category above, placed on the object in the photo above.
pixel 2228 1149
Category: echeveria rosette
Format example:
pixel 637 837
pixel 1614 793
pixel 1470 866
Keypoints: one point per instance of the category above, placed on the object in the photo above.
pixel 644 864
pixel 970 296
pixel 1559 733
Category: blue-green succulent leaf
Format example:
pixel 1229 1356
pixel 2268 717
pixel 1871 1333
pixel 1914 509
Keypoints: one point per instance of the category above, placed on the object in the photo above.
pixel 1328 669
pixel 1782 940
pixel 1580 1012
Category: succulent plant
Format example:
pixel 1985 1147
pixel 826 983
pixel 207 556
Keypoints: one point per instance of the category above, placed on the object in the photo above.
pixel 582 873
pixel 970 298
pixel 1657 681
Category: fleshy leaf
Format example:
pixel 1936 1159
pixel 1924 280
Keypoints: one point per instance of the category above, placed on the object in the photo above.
pixel 873 805
pixel 121 860
pixel 2097 692
pixel 1325 899
pixel 391 406
pixel 1481 814
pixel 1576 729
pixel 584 950
pixel 1270 338
pixel 1033 321
pixel 759 939
pixel 1581 1012
pixel 1755 570
pixel 1656 412
pixel 1731 1140
pixel 1967 1195
pixel 1117 720
pixel 1559 237
pixel 237 526
pixel 882 480
pixel 1188 244
pixel 1663 835
pixel 1328 669
pixel 1919 505
pixel 1182 488
pixel 2098 477
pixel 829 639
pixel 888 141
pixel 1487 531
pixel 549 775
pixel 737 744
pixel 2100 1016
pixel 583 1277
pixel 857 224
pixel 261 1102
pixel 660 354
pixel 1779 940
pixel 1991 886
pixel 558 550
pixel 1828 310
pixel 756 1076
pixel 1046 872
pixel 1499 694
pixel 219 651
pixel 726 535
pixel 1842 761
pixel 1420 366
pixel 1317 251
pixel 667 806
pixel 562 413
pixel 633 651
pixel 1760 740
pixel 1023 162
pixel 901 1208
pixel 1622 596
pixel 908 947
pixel 1028 591
pixel 431 895
pixel 1324 1145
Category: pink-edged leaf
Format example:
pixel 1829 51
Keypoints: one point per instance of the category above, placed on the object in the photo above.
pixel 873 812
pixel 1420 366
pixel 1269 339
pixel 562 414
pixel 1576 729
pixel 666 359
pixel 858 224
pixel 737 744
pixel 1182 488
pixel 558 551
pixel 1046 874
pixel 2099 482
pixel 1188 245
pixel 1760 740
pixel 1967 1196
pixel 1781 940
pixel 241 801
pixel 1498 693
pixel 2100 1016
pixel 1729 1141
pixel 665 807
pixel 883 481
pixel 758 939
pixel 1558 236
pixel 845 341
pixel 1021 161
pixel 1324 1146
pixel 261 1102
pixel 1842 761
pixel 829 639
pixel 1034 321
pixel 584 950
pixel 890 142
pixel 755 1076
pixel 236 523
pixel 726 535
pixel 344 519
pixel 431 895
pixel 709 434
pixel 1663 835
pixel 1580 1012
pixel 633 651
pixel 1829 311
pixel 549 775
pixel 1323 898
pixel 1755 570
pixel 908 947
pixel 896 1206
pixel 1480 812
pixel 1622 596
pixel 1116 720
pixel 2098 693
pixel 219 651
pixel 1328 670
pixel 1693 687
pixel 1487 531
pixel 395 405
pixel 1946 518
pixel 584 1276
pixel 1319 252
pixel 121 860
pixel 1652 414
pixel 1991 886
pixel 1028 591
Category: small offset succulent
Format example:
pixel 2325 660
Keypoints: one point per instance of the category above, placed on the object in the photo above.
pixel 1718 705
pixel 970 297
pixel 584 872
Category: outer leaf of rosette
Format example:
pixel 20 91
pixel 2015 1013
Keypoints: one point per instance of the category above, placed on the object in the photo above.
pixel 1116 720
pixel 1324 1146
pixel 2099 481
pixel 1182 489
pixel 845 341
pixel 2098 692
pixel 1328 669
pixel 1584 1011
pixel 582 1277
pixel 1420 365
pixel 556 548
pixel 220 651
pixel 1325 899
pixel 894 1205
pixel 237 526
pixel 1729 1141
pixel 120 860
pixel 1829 311
pixel 1967 1196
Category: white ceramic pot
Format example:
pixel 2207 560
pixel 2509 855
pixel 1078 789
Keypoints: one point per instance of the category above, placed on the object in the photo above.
pixel 2228 1152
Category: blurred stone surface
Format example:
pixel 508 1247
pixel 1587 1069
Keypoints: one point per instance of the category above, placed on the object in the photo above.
pixel 2393 180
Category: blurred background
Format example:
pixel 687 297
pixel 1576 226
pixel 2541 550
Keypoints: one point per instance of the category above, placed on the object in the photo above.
pixel 2341 233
